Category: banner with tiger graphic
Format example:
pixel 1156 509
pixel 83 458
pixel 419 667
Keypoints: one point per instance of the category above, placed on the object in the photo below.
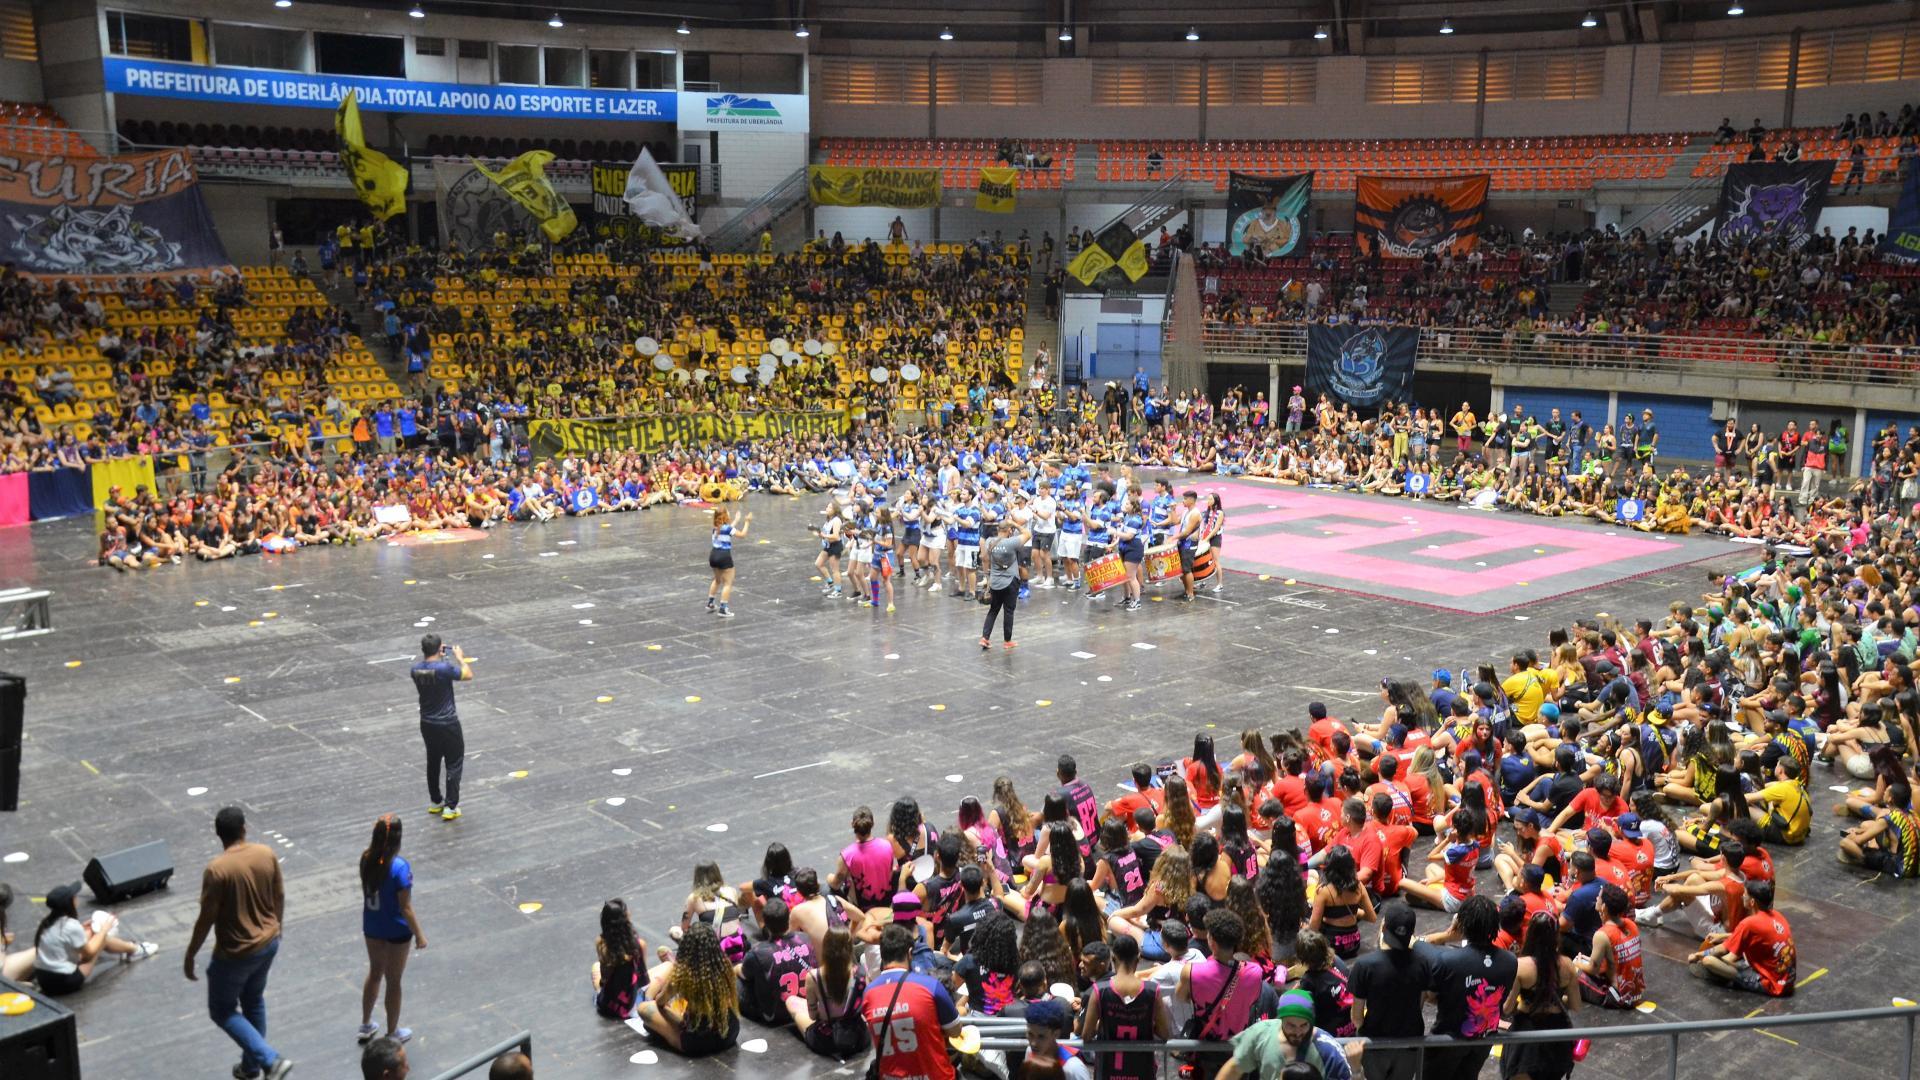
pixel 143 214
pixel 1405 217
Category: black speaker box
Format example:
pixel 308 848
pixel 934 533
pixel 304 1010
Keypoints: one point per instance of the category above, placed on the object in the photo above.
pixel 13 715
pixel 123 874
pixel 39 1044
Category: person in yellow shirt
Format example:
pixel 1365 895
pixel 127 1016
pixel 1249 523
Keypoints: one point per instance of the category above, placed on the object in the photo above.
pixel 1463 423
pixel 1526 688
pixel 1782 809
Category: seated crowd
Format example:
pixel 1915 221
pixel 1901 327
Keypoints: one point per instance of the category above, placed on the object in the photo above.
pixel 1627 779
pixel 1832 290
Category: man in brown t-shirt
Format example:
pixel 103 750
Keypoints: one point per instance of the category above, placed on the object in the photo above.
pixel 242 901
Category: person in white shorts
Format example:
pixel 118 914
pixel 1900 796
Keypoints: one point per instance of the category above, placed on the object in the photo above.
pixel 1073 535
pixel 1045 527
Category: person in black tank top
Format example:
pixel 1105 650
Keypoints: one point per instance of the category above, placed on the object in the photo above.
pixel 941 893
pixel 1124 1008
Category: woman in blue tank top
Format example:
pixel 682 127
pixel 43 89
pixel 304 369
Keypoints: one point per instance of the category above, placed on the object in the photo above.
pixel 720 559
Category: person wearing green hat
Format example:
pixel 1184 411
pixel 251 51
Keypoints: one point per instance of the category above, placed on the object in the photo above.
pixel 1265 1049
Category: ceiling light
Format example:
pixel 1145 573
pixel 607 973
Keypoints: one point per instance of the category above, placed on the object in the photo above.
pixel 1589 21
pixel 1066 33
pixel 1446 26
pixel 801 31
pixel 683 28
pixel 283 3
pixel 1193 34
pixel 417 12
pixel 1735 8
pixel 1320 32
pixel 946 33
pixel 556 22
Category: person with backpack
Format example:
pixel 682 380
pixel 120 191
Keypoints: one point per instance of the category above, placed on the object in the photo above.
pixel 1223 988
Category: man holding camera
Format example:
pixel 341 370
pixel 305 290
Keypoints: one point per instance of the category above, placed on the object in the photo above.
pixel 434 677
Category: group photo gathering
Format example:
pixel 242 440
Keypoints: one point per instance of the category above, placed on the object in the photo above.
pixel 1024 540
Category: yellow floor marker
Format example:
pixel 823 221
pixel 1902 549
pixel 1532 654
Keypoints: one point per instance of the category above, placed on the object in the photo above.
pixel 604 698
pixel 1900 1003
pixel 1043 703
pixel 530 907
pixel 1647 1007
pixel 255 622
pixel 200 603
pixel 410 581
pixel 73 663
pixel 518 774
pixel 938 708
pixel 271 615
pixel 95 771
pixel 1801 984
pixel 693 699
pixel 1289 581
pixel 653 648
pixel 233 679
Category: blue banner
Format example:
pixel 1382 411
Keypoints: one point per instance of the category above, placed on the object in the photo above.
pixel 1903 228
pixel 1363 366
pixel 249 86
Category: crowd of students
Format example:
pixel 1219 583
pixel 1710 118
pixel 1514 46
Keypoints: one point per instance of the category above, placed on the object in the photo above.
pixel 1622 781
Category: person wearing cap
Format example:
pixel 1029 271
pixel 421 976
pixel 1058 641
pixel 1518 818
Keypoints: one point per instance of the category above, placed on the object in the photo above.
pixel 1442 694
pixel 1047 1020
pixel 1296 411
pixel 1388 986
pixel 66 948
pixel 1265 1049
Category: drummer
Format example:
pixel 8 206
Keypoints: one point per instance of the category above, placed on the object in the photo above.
pixel 1187 540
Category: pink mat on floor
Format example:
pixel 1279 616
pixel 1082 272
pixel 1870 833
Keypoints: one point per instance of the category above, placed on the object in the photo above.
pixel 1433 553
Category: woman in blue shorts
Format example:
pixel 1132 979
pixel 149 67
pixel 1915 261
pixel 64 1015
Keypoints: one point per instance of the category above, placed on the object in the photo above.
pixel 388 923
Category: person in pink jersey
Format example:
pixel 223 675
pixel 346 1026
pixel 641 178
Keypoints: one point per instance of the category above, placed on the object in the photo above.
pixel 866 866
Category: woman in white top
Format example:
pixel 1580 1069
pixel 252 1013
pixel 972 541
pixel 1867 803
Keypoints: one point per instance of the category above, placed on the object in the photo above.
pixel 65 949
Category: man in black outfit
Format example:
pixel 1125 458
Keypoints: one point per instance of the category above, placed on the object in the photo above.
pixel 1004 556
pixel 775 968
pixel 1387 988
pixel 434 677
pixel 1469 984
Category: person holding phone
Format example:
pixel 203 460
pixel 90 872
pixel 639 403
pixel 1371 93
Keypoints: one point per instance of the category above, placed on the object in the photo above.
pixel 440 667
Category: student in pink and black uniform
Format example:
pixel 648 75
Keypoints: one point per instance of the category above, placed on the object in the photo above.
pixel 1080 800
pixel 1118 875
pixel 1123 1008
pixel 866 867
pixel 775 968
pixel 1222 988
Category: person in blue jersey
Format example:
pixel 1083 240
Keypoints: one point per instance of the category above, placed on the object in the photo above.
pixel 388 923
pixel 833 545
pixel 439 668
pixel 910 521
pixel 965 533
pixel 1130 533
pixel 720 559
pixel 1099 521
pixel 880 577
pixel 1073 535
pixel 1160 513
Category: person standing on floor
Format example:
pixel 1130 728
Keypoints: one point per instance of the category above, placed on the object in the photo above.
pixel 1003 582
pixel 434 677
pixel 243 901
pixel 389 925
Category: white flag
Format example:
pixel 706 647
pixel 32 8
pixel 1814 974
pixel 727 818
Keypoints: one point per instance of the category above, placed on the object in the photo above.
pixel 653 200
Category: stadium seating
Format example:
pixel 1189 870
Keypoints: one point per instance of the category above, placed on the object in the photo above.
pixel 1517 164
pixel 37 129
pixel 1883 161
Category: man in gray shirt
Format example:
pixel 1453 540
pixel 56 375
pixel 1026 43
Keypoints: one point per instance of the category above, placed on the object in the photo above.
pixel 1005 554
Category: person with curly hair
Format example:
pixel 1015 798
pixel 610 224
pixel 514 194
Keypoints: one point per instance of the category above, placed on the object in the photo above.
pixel 620 973
pixel 696 1009
pixel 991 966
pixel 1168 890
pixel 1042 943
pixel 1281 891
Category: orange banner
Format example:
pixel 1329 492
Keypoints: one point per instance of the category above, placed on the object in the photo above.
pixel 1407 217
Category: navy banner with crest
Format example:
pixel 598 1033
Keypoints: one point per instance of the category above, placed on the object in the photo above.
pixel 1362 366
pixel 1903 228
pixel 1771 201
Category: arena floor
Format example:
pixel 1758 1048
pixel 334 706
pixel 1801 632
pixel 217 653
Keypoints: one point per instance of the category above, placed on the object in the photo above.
pixel 279 684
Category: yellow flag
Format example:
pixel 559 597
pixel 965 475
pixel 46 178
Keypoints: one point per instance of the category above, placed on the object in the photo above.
pixel 997 190
pixel 1134 261
pixel 1090 264
pixel 525 181
pixel 381 181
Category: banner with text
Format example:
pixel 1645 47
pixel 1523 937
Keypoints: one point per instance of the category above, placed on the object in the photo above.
pixel 1405 217
pixel 613 217
pixel 1771 201
pixel 655 433
pixel 1363 366
pixel 998 190
pixel 141 214
pixel 1266 214
pixel 251 86
pixel 852 185
pixel 1902 241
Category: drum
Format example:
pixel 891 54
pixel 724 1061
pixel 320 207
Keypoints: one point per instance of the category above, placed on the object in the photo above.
pixel 1104 573
pixel 1163 563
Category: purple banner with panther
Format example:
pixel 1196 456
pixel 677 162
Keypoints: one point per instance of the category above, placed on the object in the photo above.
pixel 64 216
pixel 1771 202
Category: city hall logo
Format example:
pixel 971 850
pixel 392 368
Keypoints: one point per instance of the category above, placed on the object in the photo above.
pixel 1357 377
pixel 742 109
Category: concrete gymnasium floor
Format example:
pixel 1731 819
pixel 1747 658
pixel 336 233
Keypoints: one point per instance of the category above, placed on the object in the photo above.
pixel 285 692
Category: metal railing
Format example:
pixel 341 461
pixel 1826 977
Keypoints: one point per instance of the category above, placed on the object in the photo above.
pixel 1858 363
pixel 742 230
pixel 1671 1031
pixel 522 1042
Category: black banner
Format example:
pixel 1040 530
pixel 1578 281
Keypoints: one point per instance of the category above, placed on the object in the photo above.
pixel 1363 366
pixel 1903 228
pixel 1267 215
pixel 1771 201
